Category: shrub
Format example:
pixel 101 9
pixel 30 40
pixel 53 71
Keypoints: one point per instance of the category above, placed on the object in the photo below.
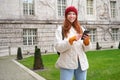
pixel 97 46
pixel 19 54
pixel 38 63
pixel 119 46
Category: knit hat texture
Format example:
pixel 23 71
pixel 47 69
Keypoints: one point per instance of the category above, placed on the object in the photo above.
pixel 70 8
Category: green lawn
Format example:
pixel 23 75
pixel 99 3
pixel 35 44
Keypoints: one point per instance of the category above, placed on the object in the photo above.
pixel 104 65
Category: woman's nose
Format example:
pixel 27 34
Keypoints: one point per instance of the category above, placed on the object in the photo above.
pixel 71 15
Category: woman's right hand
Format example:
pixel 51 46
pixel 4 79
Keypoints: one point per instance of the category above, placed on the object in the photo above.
pixel 78 36
pixel 74 38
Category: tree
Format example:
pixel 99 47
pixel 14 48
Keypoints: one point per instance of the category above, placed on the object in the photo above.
pixel 119 46
pixel 19 54
pixel 38 63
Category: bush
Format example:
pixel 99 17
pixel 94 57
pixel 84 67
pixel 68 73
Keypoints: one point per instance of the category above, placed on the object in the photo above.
pixel 19 54
pixel 38 63
pixel 97 46
pixel 119 46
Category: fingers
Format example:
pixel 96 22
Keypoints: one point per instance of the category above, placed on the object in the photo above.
pixel 85 36
pixel 78 36
pixel 74 38
pixel 86 40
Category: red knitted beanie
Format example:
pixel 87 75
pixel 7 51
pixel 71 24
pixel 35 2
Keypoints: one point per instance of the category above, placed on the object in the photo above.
pixel 70 8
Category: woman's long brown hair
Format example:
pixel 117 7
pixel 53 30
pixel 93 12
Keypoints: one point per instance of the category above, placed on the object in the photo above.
pixel 67 25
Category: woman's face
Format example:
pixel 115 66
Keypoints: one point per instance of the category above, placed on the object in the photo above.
pixel 71 16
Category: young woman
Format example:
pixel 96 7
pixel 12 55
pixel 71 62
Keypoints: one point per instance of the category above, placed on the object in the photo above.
pixel 72 61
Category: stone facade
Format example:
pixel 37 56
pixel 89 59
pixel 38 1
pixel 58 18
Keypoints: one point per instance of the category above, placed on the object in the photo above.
pixel 46 20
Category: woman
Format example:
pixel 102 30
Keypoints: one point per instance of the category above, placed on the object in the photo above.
pixel 72 60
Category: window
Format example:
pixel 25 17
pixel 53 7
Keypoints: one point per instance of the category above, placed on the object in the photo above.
pixel 92 35
pixel 29 36
pixel 28 7
pixel 115 34
pixel 61 7
pixel 113 8
pixel 90 7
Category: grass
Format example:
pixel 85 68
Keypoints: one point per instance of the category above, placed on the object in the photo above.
pixel 104 65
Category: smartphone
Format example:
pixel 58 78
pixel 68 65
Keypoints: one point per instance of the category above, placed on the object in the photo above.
pixel 84 33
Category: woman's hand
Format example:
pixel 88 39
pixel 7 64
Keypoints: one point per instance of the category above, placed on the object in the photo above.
pixel 86 40
pixel 78 36
pixel 74 38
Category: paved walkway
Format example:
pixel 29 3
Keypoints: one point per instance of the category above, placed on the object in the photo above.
pixel 12 70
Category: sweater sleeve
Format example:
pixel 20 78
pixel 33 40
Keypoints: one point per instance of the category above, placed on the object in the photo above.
pixel 86 47
pixel 59 44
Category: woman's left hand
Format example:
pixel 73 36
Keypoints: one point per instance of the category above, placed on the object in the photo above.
pixel 86 40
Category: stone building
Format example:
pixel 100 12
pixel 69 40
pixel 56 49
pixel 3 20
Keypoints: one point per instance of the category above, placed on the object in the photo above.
pixel 27 23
